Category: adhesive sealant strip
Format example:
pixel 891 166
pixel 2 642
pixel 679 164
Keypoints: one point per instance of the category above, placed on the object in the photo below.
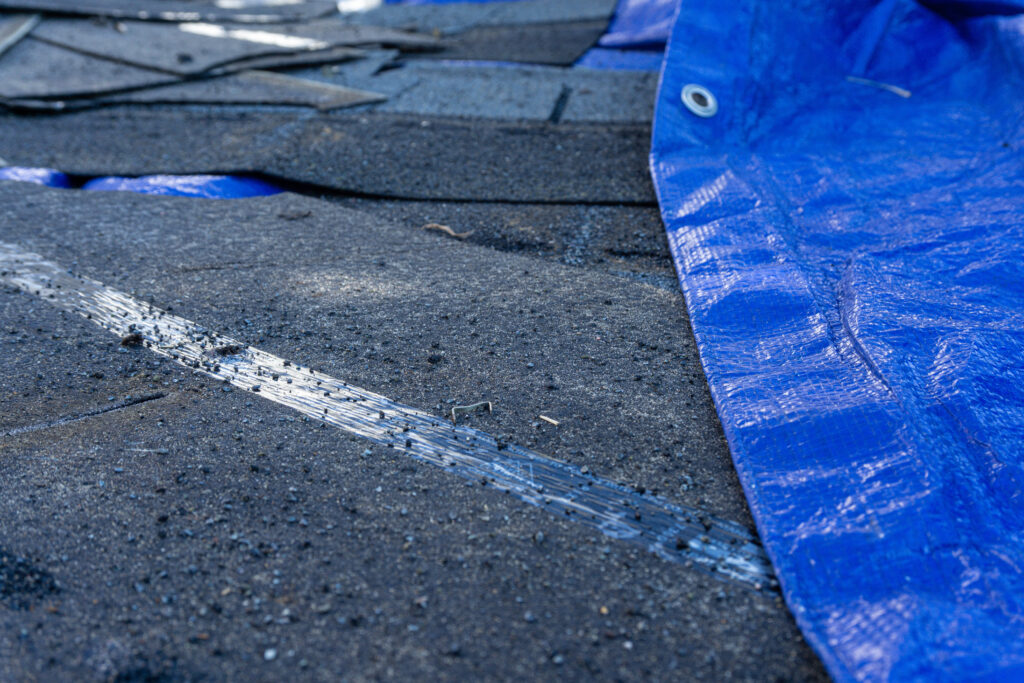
pixel 674 532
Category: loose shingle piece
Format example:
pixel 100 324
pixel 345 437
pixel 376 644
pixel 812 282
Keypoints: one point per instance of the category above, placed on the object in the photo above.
pixel 226 53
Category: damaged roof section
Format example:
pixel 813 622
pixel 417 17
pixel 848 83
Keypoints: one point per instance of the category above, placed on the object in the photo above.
pixel 34 70
pixel 527 31
pixel 242 11
pixel 452 19
pixel 383 155
pixel 396 63
pixel 523 92
pixel 251 87
pixel 209 53
pixel 193 48
pixel 60 64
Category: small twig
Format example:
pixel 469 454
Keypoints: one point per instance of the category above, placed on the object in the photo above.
pixel 470 408
pixel 549 420
pixel 448 231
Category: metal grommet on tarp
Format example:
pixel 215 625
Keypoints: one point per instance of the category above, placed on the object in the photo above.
pixel 699 100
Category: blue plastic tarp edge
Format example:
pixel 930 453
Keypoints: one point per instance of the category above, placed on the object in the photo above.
pixel 777 351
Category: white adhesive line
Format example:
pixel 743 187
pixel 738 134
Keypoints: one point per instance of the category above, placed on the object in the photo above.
pixel 254 36
pixel 674 532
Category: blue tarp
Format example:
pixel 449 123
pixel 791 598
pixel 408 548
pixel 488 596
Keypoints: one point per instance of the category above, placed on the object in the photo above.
pixel 641 23
pixel 635 38
pixel 208 186
pixel 38 176
pixel 853 262
pixel 639 59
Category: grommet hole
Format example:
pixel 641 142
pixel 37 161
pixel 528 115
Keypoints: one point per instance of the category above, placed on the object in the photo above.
pixel 699 100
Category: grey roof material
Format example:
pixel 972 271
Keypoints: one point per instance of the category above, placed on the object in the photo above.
pixel 503 92
pixel 449 19
pixel 610 96
pixel 557 44
pixel 386 155
pixel 33 69
pixel 626 241
pixel 422 317
pixel 374 70
pixel 305 58
pixel 251 87
pixel 193 48
pixel 14 27
pixel 497 93
pixel 37 75
pixel 141 499
pixel 177 10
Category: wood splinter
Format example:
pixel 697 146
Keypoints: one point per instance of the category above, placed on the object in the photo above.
pixel 448 231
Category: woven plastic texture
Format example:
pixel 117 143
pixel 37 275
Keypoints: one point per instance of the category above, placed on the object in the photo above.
pixel 848 230
pixel 626 59
pixel 208 186
pixel 639 23
pixel 38 176
pixel 636 37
